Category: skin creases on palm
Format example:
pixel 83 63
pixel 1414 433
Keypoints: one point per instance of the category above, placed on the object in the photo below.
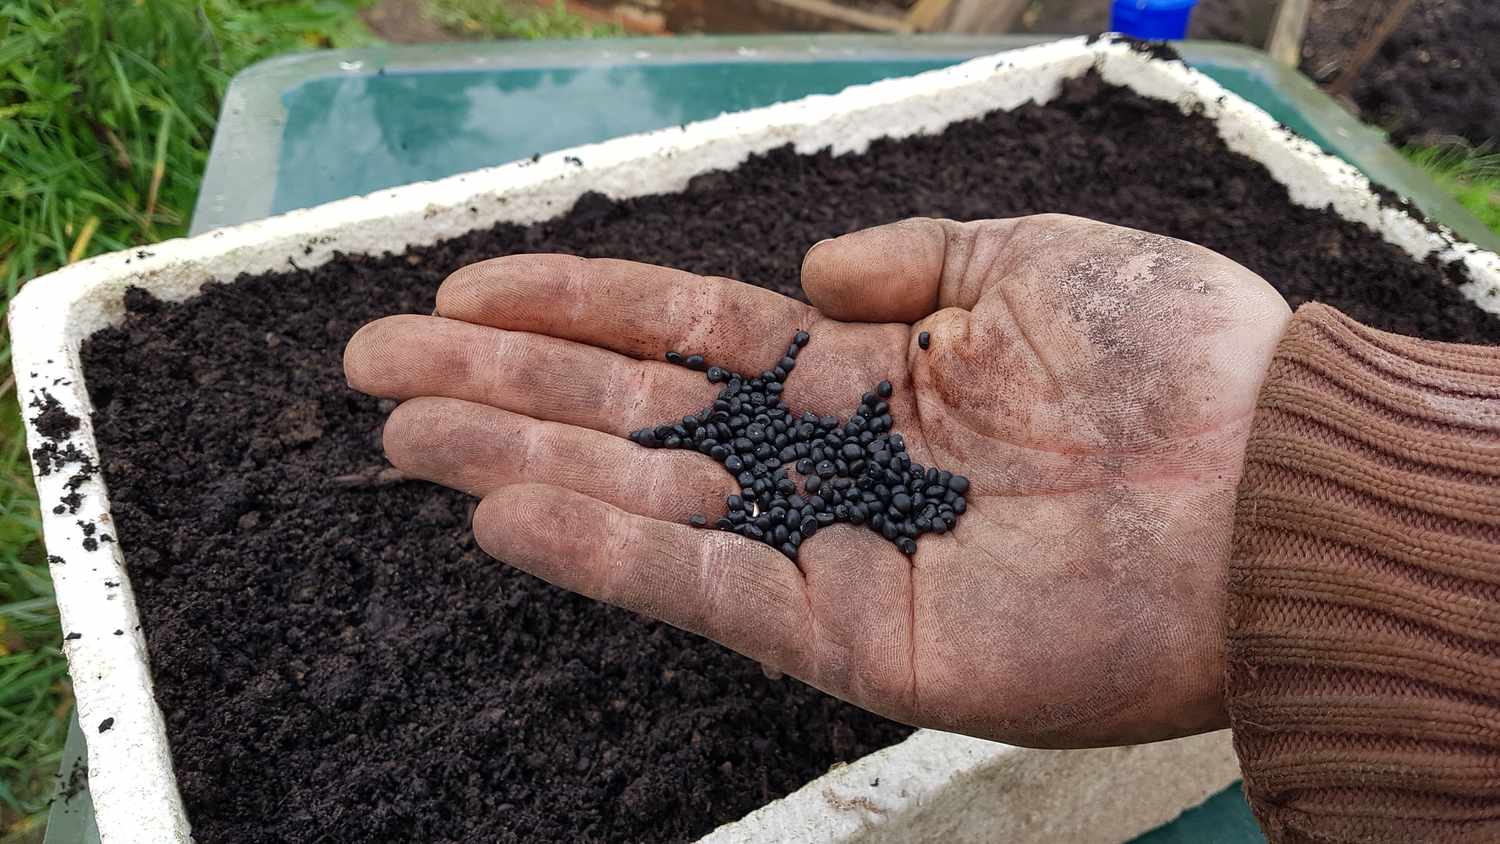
pixel 1094 383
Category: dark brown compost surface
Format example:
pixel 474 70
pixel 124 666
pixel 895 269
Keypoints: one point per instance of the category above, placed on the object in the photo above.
pixel 343 664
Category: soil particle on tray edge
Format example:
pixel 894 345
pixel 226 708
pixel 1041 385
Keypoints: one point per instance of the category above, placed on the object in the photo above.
pixel 409 688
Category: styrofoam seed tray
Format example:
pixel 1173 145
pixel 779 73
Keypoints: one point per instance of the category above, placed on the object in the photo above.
pixel 932 787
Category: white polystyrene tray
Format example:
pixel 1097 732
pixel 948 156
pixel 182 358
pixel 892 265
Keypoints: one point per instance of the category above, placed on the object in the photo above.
pixel 932 787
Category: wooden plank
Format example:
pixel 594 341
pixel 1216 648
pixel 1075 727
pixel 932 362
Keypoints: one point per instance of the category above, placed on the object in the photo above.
pixel 776 16
pixel 1288 32
pixel 1367 50
pixel 985 16
pixel 926 14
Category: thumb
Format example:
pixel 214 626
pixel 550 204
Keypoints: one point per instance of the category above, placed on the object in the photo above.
pixel 902 272
pixel 889 273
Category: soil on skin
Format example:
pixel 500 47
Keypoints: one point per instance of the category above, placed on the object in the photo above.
pixel 342 661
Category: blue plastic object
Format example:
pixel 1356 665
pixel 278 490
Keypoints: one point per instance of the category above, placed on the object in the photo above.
pixel 1156 20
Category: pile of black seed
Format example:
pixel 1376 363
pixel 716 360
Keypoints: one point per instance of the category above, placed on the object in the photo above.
pixel 857 472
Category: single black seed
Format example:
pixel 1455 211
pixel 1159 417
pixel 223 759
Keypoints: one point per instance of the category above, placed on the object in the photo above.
pixel 693 362
pixel 674 357
pixel 790 550
pixel 697 520
pixel 826 469
pixel 902 502
pixel 724 523
pixel 801 338
pixel 884 389
pixel 754 532
pixel 813 483
pixel 889 530
pixel 715 374
pixel 959 484
pixel 734 463
pixel 907 545
pixel 852 451
pixel 924 339
pixel 805 466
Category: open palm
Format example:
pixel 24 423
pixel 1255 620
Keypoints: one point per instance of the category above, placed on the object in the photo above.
pixel 1095 383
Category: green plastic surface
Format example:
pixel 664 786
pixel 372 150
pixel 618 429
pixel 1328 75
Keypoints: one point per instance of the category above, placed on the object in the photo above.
pixel 409 126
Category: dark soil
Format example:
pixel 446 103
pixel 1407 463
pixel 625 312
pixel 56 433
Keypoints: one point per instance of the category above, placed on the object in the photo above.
pixel 1436 79
pixel 340 660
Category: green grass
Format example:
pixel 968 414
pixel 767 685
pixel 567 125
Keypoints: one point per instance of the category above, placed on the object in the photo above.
pixel 1472 177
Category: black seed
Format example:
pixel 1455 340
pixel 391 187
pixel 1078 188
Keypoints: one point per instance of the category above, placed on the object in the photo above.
pixel 747 479
pixel 754 532
pixel 779 534
pixel 924 339
pixel 790 550
pixel 852 452
pixel 902 502
pixel 960 506
pixel 813 483
pixel 804 466
pixel 884 389
pixel 888 529
pixel 907 545
pixel 693 362
pixel 826 469
pixel 697 520
pixel 734 463
pixel 674 357
pixel 959 484
pixel 801 338
pixel 715 375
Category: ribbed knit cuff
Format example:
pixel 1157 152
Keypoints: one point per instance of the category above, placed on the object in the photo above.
pixel 1363 678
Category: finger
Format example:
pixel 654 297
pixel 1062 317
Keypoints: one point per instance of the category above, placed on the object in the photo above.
pixel 402 357
pixel 901 272
pixel 479 449
pixel 635 309
pixel 733 590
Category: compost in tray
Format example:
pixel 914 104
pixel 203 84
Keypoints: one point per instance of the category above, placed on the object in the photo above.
pixel 340 660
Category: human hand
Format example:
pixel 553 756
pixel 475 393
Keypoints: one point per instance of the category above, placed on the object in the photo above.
pixel 1095 383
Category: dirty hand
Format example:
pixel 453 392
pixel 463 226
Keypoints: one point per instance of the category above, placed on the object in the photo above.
pixel 1095 383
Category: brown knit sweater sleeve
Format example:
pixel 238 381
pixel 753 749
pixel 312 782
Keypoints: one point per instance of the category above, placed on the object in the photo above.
pixel 1363 678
